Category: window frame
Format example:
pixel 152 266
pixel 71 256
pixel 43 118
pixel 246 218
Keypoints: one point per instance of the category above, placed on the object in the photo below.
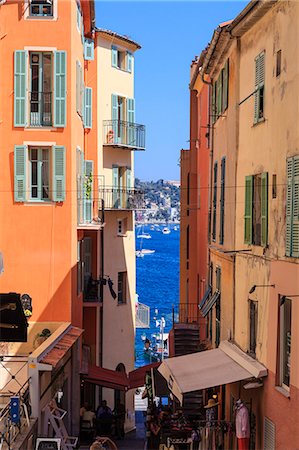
pixel 250 223
pixel 122 285
pixel 281 345
pixel 127 66
pixel 259 92
pixel 39 185
pixel 53 16
pixel 40 100
pixel 253 326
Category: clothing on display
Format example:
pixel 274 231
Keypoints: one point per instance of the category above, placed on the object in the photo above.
pixel 242 425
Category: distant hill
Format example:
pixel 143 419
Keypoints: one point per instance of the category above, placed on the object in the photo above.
pixel 162 200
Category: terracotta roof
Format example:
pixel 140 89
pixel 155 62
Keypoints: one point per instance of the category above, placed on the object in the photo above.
pixel 62 346
pixel 118 36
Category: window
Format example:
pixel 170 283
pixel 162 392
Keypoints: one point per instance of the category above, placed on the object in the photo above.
pixel 79 88
pixel 46 75
pixel 41 8
pixel 256 209
pixel 214 201
pixel 187 245
pixel 121 59
pixel 222 195
pixel 292 207
pixel 220 93
pixel 123 120
pixel 274 186
pixel 218 311
pixel 122 287
pixel 121 187
pixel 39 173
pixel 285 341
pixel 80 267
pixel 259 96
pixel 188 194
pixel 253 321
pixel 278 63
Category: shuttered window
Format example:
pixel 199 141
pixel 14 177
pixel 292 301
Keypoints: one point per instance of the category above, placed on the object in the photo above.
pixel 88 49
pixel 259 87
pixel 132 137
pixel 20 87
pixel 292 207
pixel 59 88
pixel 225 87
pixel 130 61
pixel 20 162
pixel 219 95
pixel 215 201
pixel 256 209
pixel 58 173
pixel 88 107
pixel 264 209
pixel 114 56
pixel 80 184
pixel 248 210
pixel 269 434
pixel 88 191
pixel 214 109
pixel 222 200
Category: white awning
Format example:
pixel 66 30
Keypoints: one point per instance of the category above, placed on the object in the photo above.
pixel 206 369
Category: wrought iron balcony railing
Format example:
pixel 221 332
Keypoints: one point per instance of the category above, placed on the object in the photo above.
pixel 115 198
pixel 186 313
pixel 40 109
pixel 118 133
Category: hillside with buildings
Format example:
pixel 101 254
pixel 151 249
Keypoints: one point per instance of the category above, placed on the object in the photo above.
pixel 162 200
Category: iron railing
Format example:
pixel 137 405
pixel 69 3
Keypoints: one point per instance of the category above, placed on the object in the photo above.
pixel 186 313
pixel 115 198
pixel 124 134
pixel 142 315
pixel 41 8
pixel 40 109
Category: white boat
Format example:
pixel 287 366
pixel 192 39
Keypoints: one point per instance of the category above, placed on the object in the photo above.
pixel 166 230
pixel 144 236
pixel 144 251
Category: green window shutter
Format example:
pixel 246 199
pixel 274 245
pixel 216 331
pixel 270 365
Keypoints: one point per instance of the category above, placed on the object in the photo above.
pixel 58 173
pixel 259 83
pixel 88 107
pixel 128 186
pixel 114 56
pixel 295 213
pixel 289 207
pixel 130 58
pixel 131 121
pixel 115 187
pixel 222 199
pixel 80 187
pixel 78 86
pixel 219 95
pixel 88 49
pixel 114 115
pixel 248 210
pixel 214 106
pixel 264 209
pixel 59 88
pixel 225 87
pixel 88 191
pixel 20 87
pixel 20 158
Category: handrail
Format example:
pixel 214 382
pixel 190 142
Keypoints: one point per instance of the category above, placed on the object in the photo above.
pixel 124 134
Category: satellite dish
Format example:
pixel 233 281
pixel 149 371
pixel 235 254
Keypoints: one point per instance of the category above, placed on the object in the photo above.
pixel 1 263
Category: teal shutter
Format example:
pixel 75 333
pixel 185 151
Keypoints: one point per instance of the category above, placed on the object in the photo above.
pixel 59 88
pixel 88 107
pixel 128 186
pixel 225 87
pixel 20 158
pixel 259 83
pixel 20 87
pixel 88 49
pixel 58 171
pixel 80 186
pixel 130 61
pixel 264 209
pixel 88 191
pixel 295 212
pixel 214 108
pixel 131 121
pixel 248 210
pixel 115 118
pixel 115 187
pixel 114 56
pixel 219 95
pixel 222 199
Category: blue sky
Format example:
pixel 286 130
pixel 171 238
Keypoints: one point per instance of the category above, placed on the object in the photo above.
pixel 171 33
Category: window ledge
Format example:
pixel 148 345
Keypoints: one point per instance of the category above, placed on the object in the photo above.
pixel 42 18
pixel 283 391
pixel 122 70
pixel 122 235
pixel 40 202
pixel 40 128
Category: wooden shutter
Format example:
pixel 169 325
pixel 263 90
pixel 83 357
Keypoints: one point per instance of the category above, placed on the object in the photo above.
pixel 222 197
pixel 20 87
pixel 78 86
pixel 114 56
pixel 215 200
pixel 219 95
pixel 59 88
pixel 264 209
pixel 114 115
pixel 20 158
pixel 225 87
pixel 130 61
pixel 88 191
pixel 115 187
pixel 59 175
pixel 289 206
pixel 88 49
pixel 214 102
pixel 295 212
pixel 248 210
pixel 269 435
pixel 259 82
pixel 131 121
pixel 88 107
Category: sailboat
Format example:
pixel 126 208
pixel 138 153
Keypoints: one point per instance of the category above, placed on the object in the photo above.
pixel 142 234
pixel 143 251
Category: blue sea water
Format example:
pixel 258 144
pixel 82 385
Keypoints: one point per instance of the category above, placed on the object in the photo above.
pixel 157 280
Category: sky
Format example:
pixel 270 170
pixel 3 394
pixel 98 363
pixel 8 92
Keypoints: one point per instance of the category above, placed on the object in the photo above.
pixel 171 33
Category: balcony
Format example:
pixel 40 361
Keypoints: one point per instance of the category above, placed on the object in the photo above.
pixel 40 109
pixel 186 313
pixel 142 315
pixel 126 199
pixel 118 133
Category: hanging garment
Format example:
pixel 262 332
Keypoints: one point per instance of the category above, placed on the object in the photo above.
pixel 242 422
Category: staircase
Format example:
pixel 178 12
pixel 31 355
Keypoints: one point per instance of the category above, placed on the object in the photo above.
pixel 186 338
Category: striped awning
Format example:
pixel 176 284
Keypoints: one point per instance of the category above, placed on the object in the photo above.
pixel 210 303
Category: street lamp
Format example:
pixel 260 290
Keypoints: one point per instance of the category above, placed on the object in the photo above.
pixel 260 285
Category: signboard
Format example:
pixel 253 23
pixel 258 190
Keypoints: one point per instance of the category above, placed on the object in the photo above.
pixel 48 444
